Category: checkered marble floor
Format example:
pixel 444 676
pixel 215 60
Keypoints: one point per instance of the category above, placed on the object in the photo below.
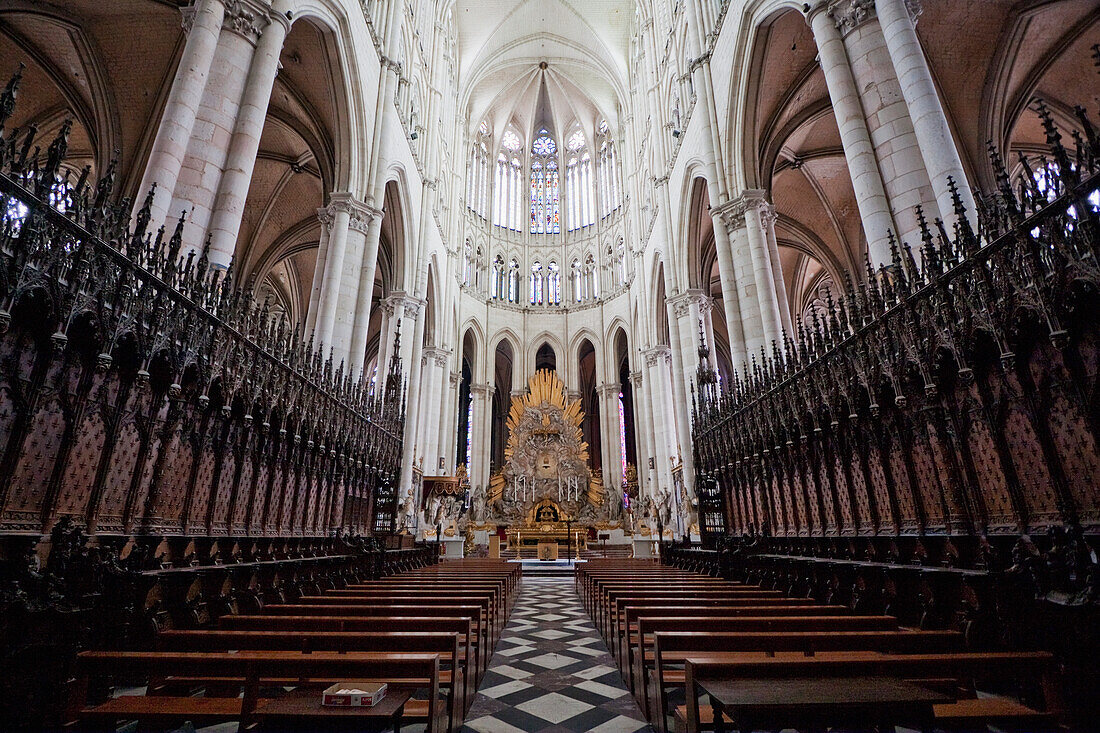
pixel 551 672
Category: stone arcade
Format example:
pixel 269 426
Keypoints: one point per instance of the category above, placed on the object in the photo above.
pixel 781 316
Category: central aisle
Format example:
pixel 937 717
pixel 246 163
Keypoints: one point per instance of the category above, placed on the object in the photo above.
pixel 551 671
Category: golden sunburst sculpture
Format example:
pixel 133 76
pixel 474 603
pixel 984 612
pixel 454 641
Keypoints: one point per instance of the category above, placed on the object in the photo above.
pixel 545 411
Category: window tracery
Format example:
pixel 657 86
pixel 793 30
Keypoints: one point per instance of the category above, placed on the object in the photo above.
pixel 545 193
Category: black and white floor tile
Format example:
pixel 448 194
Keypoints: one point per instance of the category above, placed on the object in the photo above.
pixel 551 672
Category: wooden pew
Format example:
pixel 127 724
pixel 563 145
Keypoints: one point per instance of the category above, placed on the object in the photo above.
pixel 967 713
pixel 250 669
pixel 627 626
pixel 721 618
pixel 458 624
pixel 671 648
pixel 452 674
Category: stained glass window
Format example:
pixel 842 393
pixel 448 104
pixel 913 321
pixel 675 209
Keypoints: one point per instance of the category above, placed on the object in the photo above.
pixel 510 140
pixel 513 281
pixel 553 283
pixel 622 437
pixel 545 186
pixel 544 146
pixel 536 283
pixel 470 434
pixel 576 141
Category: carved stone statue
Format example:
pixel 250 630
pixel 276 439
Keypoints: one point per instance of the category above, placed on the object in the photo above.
pixel 478 508
pixel 664 507
pixel 614 501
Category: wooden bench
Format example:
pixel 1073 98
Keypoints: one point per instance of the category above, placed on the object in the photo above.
pixel 452 674
pixel 699 626
pixel 671 649
pixel 459 624
pixel 483 644
pixel 963 668
pixel 249 669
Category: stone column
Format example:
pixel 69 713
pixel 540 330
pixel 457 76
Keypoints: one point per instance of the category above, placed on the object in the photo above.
pixel 768 218
pixel 245 143
pixel 412 405
pixel 612 457
pixel 216 117
pixel 664 432
pixel 364 276
pixel 481 436
pixel 643 425
pixel 202 23
pixel 347 304
pixel 874 208
pixel 448 438
pixel 337 291
pixel 756 282
pixel 431 416
pixel 680 411
pixel 326 219
pixel 899 157
pixel 728 275
pixel 937 145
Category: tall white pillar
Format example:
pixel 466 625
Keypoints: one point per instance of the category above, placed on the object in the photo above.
pixel 874 207
pixel 216 118
pixel 245 143
pixel 202 22
pixel 896 149
pixel 340 215
pixel 326 220
pixel 411 447
pixel 768 218
pixel 364 273
pixel 937 145
pixel 448 434
pixel 728 275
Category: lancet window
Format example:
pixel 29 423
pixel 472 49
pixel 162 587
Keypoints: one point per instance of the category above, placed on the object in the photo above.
pixel 553 283
pixel 513 281
pixel 508 184
pixel 536 283
pixel 496 284
pixel 576 278
pixel 477 187
pixel 578 172
pixel 545 186
pixel 607 170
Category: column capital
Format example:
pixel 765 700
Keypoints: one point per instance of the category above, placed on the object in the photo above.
pixel 455 378
pixel 682 302
pixel 436 354
pixel 361 215
pixel 247 18
pixel 733 211
pixel 655 354
pixel 851 14
pixel 636 378
pixel 482 390
pixel 522 392
pixel 611 389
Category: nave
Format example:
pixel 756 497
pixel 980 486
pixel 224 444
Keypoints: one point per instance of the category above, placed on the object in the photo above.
pixel 551 671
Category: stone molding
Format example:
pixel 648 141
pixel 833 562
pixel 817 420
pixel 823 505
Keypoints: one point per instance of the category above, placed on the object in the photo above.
pixel 360 214
pixel 609 390
pixel 436 354
pixel 681 303
pixel 246 18
pixel 656 354
pixel 733 211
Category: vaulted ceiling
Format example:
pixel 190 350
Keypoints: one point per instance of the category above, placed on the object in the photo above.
pixel 584 44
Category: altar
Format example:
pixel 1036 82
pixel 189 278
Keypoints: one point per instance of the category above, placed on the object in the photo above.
pixel 545 524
